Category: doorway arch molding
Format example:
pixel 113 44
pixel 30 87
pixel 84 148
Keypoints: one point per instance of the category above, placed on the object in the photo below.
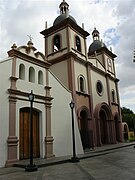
pixel 84 123
pixel 104 124
pixel 118 126
pixel 105 107
pixel 83 108
pixel 116 115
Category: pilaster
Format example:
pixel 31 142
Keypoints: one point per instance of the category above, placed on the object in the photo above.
pixel 108 89
pixel 12 140
pixel 119 109
pixel 48 139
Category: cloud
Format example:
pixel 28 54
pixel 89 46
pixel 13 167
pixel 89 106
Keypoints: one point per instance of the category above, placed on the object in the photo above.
pixel 111 37
pixel 128 97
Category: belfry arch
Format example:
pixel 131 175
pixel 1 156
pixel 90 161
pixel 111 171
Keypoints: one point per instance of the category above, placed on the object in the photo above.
pixel 105 127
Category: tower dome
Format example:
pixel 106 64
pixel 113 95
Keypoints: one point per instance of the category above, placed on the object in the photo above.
pixel 97 43
pixel 64 13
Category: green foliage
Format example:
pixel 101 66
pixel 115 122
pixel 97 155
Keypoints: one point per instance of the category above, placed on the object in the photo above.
pixel 129 117
pixel 126 111
pixel 131 136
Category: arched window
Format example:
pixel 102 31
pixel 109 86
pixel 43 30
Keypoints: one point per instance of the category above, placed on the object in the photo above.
pixel 82 86
pixel 21 71
pixel 31 74
pixel 40 77
pixel 113 95
pixel 56 43
pixel 78 43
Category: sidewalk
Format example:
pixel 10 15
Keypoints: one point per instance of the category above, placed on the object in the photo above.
pixel 103 163
pixel 88 153
pixel 98 151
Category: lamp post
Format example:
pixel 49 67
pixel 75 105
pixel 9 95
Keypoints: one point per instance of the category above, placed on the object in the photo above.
pixel 31 167
pixel 74 158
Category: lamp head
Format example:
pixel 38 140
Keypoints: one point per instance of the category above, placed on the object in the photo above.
pixel 31 96
pixel 72 104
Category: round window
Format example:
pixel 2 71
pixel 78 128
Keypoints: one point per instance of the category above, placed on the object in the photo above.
pixel 99 88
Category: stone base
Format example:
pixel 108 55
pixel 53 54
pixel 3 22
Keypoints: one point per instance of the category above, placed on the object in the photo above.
pixel 12 143
pixel 74 159
pixel 10 163
pixel 49 147
pixel 31 168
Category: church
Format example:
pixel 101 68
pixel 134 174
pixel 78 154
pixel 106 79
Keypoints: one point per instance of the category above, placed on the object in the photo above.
pixel 66 71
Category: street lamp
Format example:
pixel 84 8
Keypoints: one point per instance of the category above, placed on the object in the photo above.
pixel 31 167
pixel 74 158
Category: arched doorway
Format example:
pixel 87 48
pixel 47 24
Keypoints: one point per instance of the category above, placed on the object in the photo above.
pixel 103 127
pixel 24 135
pixel 116 119
pixel 125 130
pixel 104 124
pixel 85 135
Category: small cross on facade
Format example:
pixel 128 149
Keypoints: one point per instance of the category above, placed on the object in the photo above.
pixel 30 37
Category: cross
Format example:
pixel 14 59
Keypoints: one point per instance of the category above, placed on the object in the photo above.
pixel 30 37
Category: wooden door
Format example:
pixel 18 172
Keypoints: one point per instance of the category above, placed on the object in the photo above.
pixel 103 127
pixel 24 140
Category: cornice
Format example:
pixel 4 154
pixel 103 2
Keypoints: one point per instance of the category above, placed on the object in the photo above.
pixel 13 92
pixel 65 23
pixel 25 57
pixel 66 56
pixel 102 50
pixel 82 94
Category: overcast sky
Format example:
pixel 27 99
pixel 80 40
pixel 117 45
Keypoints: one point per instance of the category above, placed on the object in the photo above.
pixel 114 19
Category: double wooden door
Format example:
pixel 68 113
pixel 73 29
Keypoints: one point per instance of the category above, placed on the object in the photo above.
pixel 24 140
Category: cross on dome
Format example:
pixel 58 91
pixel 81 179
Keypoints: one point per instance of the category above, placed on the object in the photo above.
pixel 64 7
pixel 95 34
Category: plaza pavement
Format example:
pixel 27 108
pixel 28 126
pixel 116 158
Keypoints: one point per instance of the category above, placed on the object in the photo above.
pixel 93 165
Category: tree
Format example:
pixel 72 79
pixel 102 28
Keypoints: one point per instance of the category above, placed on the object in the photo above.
pixel 129 117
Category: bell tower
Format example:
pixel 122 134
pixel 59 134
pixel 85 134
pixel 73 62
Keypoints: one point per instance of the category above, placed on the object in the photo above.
pixel 65 41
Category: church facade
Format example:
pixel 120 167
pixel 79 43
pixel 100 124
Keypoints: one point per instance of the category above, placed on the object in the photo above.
pixel 89 75
pixel 66 70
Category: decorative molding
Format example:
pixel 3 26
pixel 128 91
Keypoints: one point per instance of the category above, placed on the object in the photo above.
pixel 53 53
pixel 13 82
pixel 13 92
pixel 65 23
pixel 82 93
pixel 28 58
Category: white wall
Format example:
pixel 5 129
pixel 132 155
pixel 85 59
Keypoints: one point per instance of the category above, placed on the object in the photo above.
pixel 61 120
pixel 113 87
pixel 5 73
pixel 25 85
pixel 63 40
pixel 80 69
pixel 96 97
pixel 72 41
pixel 61 71
pixel 38 89
pixel 61 112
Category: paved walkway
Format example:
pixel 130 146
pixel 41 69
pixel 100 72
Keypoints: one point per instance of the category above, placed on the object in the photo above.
pixel 40 162
pixel 113 162
pixel 60 160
